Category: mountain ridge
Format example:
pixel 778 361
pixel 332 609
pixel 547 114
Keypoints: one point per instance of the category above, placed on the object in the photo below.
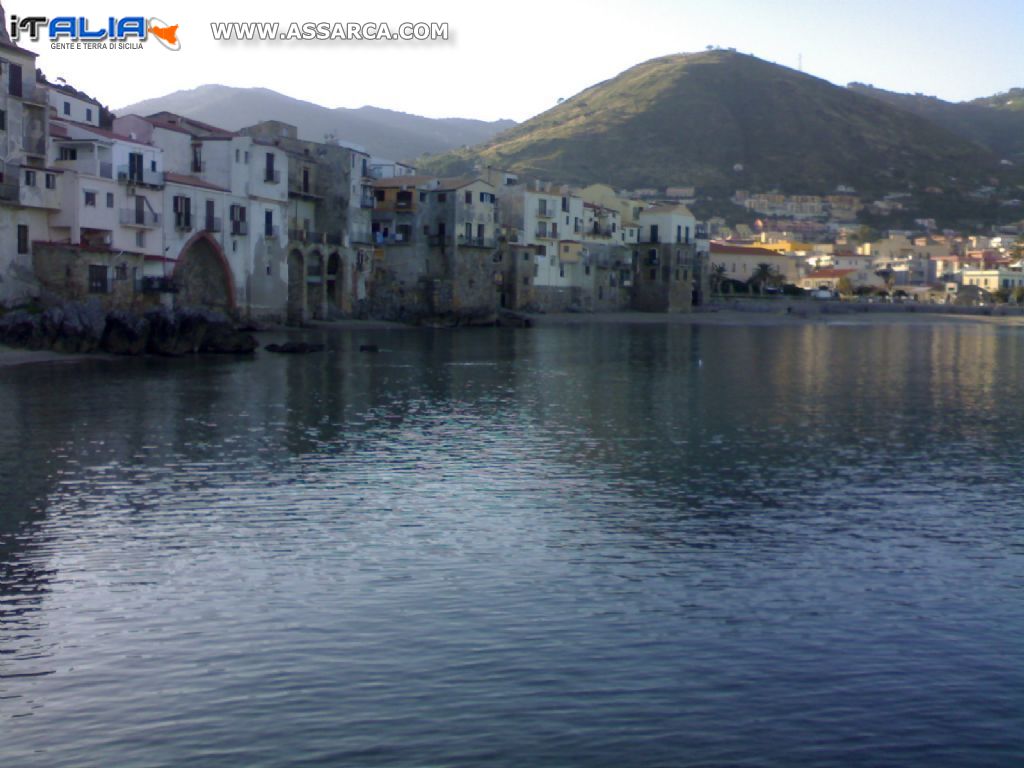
pixel 722 119
pixel 383 132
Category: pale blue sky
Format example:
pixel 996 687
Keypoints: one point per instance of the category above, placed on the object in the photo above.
pixel 516 59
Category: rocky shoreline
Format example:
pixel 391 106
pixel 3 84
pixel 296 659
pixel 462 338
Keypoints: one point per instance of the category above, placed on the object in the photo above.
pixel 85 327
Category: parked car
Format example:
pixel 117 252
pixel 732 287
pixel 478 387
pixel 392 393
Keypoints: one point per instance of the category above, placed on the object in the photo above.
pixel 822 293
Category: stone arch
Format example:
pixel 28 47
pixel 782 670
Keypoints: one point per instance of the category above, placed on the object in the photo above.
pixel 335 281
pixel 203 275
pixel 296 286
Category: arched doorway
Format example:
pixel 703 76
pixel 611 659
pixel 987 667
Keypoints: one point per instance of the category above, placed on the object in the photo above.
pixel 203 276
pixel 296 287
pixel 335 283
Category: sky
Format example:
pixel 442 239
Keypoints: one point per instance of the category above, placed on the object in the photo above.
pixel 515 60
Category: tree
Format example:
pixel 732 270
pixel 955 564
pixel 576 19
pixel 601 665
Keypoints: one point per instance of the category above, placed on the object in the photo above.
pixel 1017 249
pixel 764 274
pixel 844 287
pixel 717 278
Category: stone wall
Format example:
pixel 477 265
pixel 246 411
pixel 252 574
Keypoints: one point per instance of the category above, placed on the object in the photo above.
pixel 73 273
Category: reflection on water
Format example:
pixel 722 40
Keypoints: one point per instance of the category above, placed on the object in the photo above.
pixel 574 545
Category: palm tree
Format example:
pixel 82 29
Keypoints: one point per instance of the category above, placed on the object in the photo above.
pixel 717 278
pixel 764 274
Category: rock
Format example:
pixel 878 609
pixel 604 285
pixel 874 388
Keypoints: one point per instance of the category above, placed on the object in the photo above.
pixel 22 329
pixel 125 334
pixel 80 327
pixel 163 333
pixel 224 339
pixel 294 348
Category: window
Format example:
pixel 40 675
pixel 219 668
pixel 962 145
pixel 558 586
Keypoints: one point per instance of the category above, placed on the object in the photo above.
pixel 268 223
pixel 526 281
pixel 14 80
pixel 469 198
pixel 51 181
pixel 97 278
pixel 121 272
pixel 88 114
pixel 586 269
pixel 378 195
pixel 526 257
pixel 238 155
pixel 140 239
pixel 561 270
pixel 442 197
pixel 67 107
pixel 90 199
pixel 3 120
pixel 246 158
pixel 182 212
pixel 68 153
pixel 22 238
pixel 110 199
pixel 30 178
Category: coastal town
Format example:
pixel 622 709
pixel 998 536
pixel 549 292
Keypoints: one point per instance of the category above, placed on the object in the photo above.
pixel 143 211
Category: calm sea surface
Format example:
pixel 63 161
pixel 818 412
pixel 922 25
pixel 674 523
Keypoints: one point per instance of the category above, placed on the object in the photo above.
pixel 594 545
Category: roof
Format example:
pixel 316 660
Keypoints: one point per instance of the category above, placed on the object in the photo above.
pixel 742 250
pixel 172 119
pixel 12 47
pixel 73 92
pixel 457 182
pixel 403 181
pixel 192 181
pixel 826 274
pixel 667 208
pixel 98 132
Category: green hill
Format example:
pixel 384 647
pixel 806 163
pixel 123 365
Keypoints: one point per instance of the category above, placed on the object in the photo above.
pixel 724 120
pixel 995 122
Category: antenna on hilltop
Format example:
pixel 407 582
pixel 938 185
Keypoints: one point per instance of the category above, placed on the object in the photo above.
pixel 800 62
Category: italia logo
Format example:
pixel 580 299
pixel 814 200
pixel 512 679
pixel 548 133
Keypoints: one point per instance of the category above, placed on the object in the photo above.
pixel 78 29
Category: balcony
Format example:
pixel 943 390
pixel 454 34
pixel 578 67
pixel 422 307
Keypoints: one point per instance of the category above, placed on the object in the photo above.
pixel 198 166
pixel 544 213
pixel 543 234
pixel 158 285
pixel 271 176
pixel 306 236
pixel 132 217
pixel 182 223
pixel 9 191
pixel 212 224
pixel 477 242
pixel 140 176
pixel 240 228
pixel 366 201
pixel 271 233
pixel 34 146
pixel 34 95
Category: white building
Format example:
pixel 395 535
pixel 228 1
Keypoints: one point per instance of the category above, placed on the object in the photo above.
pixel 30 189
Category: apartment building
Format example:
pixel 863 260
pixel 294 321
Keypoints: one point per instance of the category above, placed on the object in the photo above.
pixel 31 188
pixel 224 212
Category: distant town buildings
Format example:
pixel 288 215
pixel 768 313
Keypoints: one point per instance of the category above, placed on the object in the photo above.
pixel 161 209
